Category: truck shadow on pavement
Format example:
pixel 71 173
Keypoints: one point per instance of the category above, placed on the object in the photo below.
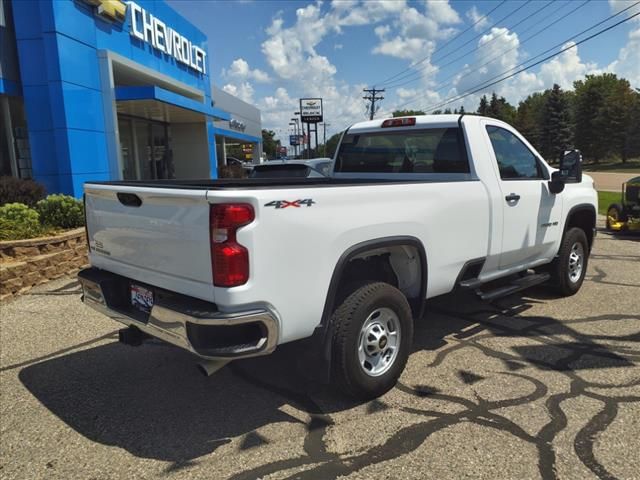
pixel 152 402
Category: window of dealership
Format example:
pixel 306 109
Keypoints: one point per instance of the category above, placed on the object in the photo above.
pixel 96 90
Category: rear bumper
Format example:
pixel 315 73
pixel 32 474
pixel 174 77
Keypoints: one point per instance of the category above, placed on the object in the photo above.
pixel 186 322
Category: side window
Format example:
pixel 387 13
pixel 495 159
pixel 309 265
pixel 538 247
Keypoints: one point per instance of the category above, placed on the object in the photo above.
pixel 515 160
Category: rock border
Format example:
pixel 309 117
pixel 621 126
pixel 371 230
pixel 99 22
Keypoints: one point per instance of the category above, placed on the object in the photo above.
pixel 27 263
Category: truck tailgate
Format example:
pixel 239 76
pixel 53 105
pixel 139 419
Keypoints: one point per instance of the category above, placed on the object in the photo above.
pixel 155 235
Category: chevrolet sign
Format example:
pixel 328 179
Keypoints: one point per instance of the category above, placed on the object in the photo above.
pixel 149 29
pixel 311 110
pixel 110 9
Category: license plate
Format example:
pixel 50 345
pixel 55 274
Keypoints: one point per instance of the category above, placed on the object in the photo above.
pixel 141 298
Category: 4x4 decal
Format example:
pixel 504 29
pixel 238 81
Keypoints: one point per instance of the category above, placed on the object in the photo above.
pixel 286 203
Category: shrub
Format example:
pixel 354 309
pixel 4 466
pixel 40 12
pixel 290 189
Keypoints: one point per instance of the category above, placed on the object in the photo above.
pixel 18 190
pixel 231 171
pixel 61 211
pixel 18 221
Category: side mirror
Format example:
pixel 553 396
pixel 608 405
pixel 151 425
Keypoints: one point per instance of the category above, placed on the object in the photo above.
pixel 556 184
pixel 571 166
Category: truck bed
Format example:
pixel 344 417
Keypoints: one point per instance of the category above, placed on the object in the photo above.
pixel 267 183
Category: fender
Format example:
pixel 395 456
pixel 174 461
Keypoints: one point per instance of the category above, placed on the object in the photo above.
pixel 578 208
pixel 321 338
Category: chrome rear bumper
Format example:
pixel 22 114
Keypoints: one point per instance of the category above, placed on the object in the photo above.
pixel 183 321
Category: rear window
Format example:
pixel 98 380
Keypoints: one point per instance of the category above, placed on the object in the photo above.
pixel 434 150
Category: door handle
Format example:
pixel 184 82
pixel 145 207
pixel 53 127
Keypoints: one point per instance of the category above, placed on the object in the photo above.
pixel 512 197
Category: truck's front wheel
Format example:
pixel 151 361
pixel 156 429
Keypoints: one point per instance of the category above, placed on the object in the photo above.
pixel 570 266
pixel 373 335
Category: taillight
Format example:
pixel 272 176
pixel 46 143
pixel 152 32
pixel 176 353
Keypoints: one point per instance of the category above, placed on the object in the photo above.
pixel 229 259
pixel 399 122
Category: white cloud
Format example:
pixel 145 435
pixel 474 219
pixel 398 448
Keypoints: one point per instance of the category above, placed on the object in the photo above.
pixel 565 69
pixel 405 93
pixel 441 12
pixel 627 64
pixel 619 5
pixel 240 70
pixel 402 47
pixel 338 46
pixel 477 19
pixel 244 91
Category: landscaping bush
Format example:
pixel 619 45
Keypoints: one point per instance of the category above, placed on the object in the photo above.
pixel 61 211
pixel 231 171
pixel 18 221
pixel 18 190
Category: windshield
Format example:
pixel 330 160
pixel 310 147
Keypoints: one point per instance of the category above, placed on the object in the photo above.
pixel 435 150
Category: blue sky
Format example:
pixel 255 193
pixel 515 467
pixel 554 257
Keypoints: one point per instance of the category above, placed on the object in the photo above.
pixel 271 53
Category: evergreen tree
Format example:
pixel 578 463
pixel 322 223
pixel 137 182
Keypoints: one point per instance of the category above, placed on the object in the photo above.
pixel 407 113
pixel 483 108
pixel 632 137
pixel 447 111
pixel 529 118
pixel 556 125
pixel 461 111
pixel 602 111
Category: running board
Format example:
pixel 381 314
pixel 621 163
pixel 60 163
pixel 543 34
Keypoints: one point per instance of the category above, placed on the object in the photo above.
pixel 521 283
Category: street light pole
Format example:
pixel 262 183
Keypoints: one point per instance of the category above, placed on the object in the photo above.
pixel 324 137
pixel 295 132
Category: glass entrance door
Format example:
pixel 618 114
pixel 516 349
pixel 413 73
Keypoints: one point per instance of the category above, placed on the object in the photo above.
pixel 144 145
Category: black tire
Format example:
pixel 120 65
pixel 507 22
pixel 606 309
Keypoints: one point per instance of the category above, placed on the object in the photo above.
pixel 619 212
pixel 348 320
pixel 564 279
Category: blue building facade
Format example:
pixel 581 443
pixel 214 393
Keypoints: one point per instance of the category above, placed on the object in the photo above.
pixel 104 90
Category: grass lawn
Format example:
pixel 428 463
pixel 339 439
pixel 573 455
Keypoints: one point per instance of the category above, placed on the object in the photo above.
pixel 607 198
pixel 631 166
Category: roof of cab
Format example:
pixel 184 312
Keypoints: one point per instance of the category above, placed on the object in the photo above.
pixel 445 120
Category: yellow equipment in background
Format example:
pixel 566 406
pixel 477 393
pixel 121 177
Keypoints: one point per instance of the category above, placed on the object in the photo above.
pixel 626 215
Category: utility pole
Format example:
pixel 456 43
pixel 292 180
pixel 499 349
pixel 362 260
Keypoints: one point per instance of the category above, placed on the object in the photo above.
pixel 324 137
pixel 372 97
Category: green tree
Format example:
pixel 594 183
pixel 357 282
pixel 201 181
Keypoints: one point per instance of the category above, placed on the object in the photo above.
pixel 406 113
pixel 529 118
pixel 556 125
pixel 602 108
pixel 269 143
pixel 501 109
pixel 632 140
pixel 483 108
pixel 332 144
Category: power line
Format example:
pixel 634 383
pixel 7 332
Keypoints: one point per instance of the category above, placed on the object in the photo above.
pixel 466 94
pixel 430 57
pixel 483 17
pixel 484 45
pixel 373 98
pixel 472 69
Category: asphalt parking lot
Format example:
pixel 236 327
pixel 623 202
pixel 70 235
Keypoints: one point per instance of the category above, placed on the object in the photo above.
pixel 526 387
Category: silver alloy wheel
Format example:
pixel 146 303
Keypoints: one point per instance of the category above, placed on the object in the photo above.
pixel 576 262
pixel 379 341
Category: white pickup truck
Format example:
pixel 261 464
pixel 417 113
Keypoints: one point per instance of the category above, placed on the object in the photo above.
pixel 414 208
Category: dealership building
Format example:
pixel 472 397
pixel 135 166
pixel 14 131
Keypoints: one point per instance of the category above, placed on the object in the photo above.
pixel 109 90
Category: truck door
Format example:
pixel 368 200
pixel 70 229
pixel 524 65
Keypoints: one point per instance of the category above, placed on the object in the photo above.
pixel 531 214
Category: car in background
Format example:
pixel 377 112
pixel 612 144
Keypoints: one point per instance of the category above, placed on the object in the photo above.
pixel 236 162
pixel 312 168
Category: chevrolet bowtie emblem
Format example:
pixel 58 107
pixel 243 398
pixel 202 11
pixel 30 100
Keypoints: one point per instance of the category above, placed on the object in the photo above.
pixel 110 9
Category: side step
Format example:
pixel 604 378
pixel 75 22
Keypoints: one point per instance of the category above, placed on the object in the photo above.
pixel 515 286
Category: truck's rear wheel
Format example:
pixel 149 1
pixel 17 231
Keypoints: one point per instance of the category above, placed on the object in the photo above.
pixel 570 266
pixel 373 335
